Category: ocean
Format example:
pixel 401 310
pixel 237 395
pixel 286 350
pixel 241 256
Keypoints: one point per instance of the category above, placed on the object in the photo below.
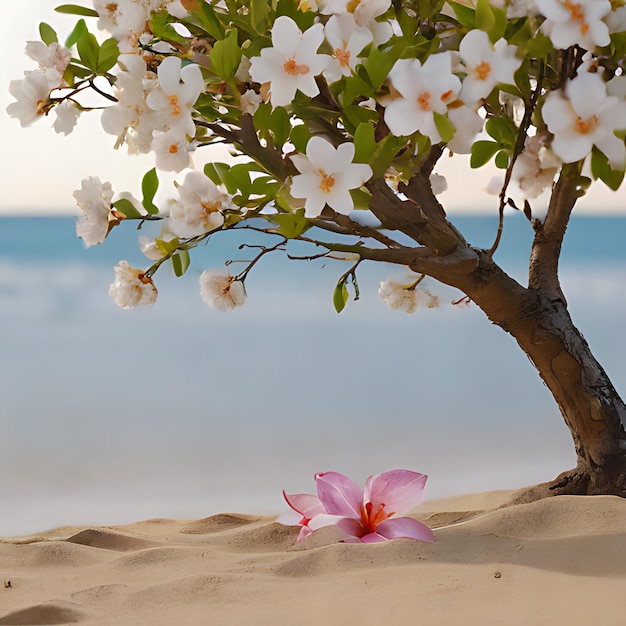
pixel 110 416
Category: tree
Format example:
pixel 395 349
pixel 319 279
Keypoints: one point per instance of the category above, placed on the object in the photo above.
pixel 339 112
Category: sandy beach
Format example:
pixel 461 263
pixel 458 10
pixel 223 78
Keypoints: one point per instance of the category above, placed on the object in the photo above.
pixel 555 561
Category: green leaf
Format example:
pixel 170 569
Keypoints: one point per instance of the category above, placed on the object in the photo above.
pixel 340 295
pixel 502 129
pixel 209 20
pixel 162 29
pixel 299 137
pixel 47 33
pixel 89 51
pixel 167 247
pixel 485 19
pixel 226 56
pixel 378 65
pixel 280 125
pixel 240 175
pixel 74 9
pixel 601 168
pixel 465 15
pixel 107 57
pixel 149 186
pixel 538 47
pixel 259 10
pixel 215 171
pixel 502 160
pixel 482 151
pixel 364 143
pixel 444 126
pixel 361 198
pixel 291 224
pixel 386 151
pixel 77 32
pixel 127 208
pixel 499 25
pixel 180 262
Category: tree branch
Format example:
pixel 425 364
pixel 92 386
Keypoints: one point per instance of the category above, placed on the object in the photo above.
pixel 546 249
pixel 410 218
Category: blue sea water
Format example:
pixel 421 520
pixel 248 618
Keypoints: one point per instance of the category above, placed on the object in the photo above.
pixel 110 416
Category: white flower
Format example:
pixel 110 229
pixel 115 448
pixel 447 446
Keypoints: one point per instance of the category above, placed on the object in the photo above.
pixel 131 287
pixel 221 291
pixel 32 95
pixel 347 40
pixel 94 199
pixel 122 18
pixel 172 150
pixel 468 123
pixel 53 60
pixel 130 119
pixel 199 207
pixel 536 167
pixel 575 22
pixel 364 11
pixel 406 297
pixel 177 92
pixel 584 117
pixel 326 176
pixel 486 65
pixel 67 116
pixel 250 102
pixel 292 63
pixel 424 90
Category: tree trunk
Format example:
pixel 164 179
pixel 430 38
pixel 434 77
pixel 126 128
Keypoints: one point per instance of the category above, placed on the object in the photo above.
pixel 593 410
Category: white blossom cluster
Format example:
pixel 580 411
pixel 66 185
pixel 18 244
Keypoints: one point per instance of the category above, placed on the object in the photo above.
pixel 442 98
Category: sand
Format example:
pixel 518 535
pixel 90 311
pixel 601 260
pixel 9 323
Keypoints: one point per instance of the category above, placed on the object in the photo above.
pixel 555 561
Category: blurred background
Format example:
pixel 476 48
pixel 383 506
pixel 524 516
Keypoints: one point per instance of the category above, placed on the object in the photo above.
pixel 110 416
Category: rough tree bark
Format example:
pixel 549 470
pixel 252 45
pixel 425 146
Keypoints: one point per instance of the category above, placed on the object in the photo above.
pixel 536 316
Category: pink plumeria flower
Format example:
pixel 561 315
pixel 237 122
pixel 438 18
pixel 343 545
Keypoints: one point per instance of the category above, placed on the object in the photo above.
pixel 369 516
pixel 305 507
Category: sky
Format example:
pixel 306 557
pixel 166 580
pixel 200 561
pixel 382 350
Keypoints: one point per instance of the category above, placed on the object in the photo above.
pixel 39 169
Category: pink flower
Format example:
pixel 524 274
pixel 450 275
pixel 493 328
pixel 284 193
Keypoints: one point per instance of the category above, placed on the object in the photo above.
pixel 306 506
pixel 366 516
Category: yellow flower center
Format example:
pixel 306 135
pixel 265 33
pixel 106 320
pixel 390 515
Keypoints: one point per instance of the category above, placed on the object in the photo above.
pixel 342 55
pixel 291 68
pixel 327 182
pixel 210 207
pixel 173 149
pixel 578 14
pixel 424 101
pixel 586 126
pixel 482 71
pixel 174 104
pixel 370 518
pixel 352 5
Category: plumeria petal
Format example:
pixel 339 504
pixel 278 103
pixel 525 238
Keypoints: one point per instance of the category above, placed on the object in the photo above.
pixel 306 504
pixel 404 527
pixel 339 494
pixel 286 36
pixel 398 490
